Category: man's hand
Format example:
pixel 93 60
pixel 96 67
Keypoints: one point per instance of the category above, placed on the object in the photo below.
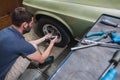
pixel 38 41
pixel 54 40
pixel 48 36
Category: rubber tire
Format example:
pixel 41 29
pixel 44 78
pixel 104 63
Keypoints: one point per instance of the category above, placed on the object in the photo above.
pixel 65 38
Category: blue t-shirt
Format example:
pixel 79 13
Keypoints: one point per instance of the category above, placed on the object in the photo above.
pixel 12 45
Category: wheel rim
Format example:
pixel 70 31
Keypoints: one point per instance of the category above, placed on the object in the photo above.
pixel 48 28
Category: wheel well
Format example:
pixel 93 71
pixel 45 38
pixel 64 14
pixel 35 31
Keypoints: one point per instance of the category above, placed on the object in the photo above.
pixel 37 17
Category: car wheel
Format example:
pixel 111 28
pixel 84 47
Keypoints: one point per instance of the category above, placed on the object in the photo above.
pixel 49 25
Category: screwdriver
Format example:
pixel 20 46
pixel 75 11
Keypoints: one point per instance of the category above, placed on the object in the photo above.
pixel 109 23
pixel 111 72
pixel 115 38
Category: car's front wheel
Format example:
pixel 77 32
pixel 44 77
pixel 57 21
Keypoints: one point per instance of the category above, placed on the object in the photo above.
pixel 49 25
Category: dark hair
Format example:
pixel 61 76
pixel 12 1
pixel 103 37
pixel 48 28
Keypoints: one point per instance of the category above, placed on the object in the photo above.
pixel 21 15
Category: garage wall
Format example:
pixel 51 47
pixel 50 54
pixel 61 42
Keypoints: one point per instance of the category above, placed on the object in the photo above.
pixel 6 7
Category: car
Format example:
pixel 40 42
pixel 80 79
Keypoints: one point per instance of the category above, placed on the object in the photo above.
pixel 69 19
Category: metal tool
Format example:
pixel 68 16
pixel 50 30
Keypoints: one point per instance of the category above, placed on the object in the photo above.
pixel 111 72
pixel 100 35
pixel 90 43
pixel 84 46
pixel 109 23
pixel 115 38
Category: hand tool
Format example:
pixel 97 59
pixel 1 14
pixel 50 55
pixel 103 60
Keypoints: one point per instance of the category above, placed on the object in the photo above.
pixel 49 39
pixel 103 44
pixel 90 43
pixel 83 46
pixel 101 34
pixel 115 38
pixel 109 23
pixel 52 37
pixel 111 72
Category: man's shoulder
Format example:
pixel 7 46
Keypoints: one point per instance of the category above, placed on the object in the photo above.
pixel 5 30
pixel 4 33
pixel 11 32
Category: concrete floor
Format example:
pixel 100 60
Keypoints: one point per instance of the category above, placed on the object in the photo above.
pixel 33 72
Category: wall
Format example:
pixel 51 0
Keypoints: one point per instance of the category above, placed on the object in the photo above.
pixel 6 7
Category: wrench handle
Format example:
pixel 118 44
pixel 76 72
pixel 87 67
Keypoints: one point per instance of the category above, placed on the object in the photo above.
pixel 84 46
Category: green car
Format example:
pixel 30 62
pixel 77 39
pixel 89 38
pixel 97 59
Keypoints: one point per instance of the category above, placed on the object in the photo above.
pixel 69 19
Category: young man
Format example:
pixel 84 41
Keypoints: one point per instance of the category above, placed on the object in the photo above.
pixel 13 45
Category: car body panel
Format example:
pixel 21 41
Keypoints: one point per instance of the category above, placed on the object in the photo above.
pixel 78 15
pixel 99 3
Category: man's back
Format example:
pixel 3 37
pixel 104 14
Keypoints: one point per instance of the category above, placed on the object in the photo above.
pixel 12 45
pixel 7 43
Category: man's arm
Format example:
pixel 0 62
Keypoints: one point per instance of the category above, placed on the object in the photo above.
pixel 38 41
pixel 40 57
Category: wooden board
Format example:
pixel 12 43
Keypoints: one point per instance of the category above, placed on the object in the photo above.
pixel 6 7
pixel 5 21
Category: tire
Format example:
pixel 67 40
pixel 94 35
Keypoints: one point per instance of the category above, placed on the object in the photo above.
pixel 49 25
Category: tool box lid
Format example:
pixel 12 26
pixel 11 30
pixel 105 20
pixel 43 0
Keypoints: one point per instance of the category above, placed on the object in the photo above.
pixel 89 63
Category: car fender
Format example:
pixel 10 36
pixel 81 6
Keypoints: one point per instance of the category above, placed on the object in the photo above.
pixel 54 17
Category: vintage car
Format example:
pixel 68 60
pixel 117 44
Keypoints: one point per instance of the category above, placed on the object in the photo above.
pixel 69 18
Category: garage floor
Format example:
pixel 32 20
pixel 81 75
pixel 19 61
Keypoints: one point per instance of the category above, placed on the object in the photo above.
pixel 33 72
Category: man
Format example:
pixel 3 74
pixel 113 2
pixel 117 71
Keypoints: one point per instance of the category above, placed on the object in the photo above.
pixel 13 45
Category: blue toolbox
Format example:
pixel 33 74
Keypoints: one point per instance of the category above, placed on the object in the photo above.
pixel 96 56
